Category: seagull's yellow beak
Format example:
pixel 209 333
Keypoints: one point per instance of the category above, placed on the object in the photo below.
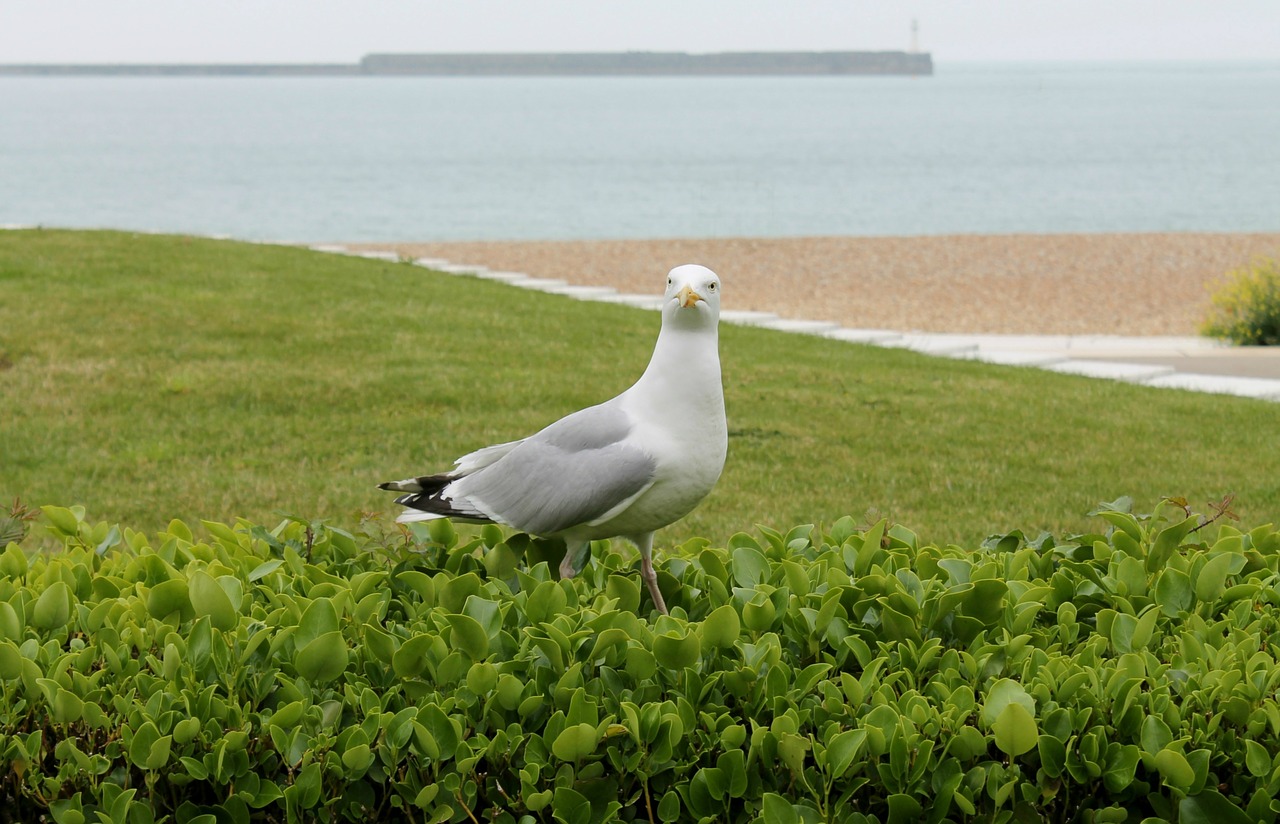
pixel 688 297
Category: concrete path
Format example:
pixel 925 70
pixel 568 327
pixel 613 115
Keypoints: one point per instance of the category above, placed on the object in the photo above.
pixel 1188 363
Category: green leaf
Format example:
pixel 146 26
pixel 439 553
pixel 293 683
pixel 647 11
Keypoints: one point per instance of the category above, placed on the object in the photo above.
pixel 1173 592
pixel 843 750
pixel 67 707
pixel 111 539
pixel 1175 769
pixel 1121 766
pixel 324 659
pixel 148 747
pixel 305 790
pixel 158 757
pixel 481 678
pixel 411 658
pixel 625 590
pixel 1210 807
pixel 442 532
pixel 721 628
pixel 1155 734
pixel 442 728
pixel 675 651
pixel 357 759
pixel 792 749
pixel 10 661
pixel 903 808
pixel 669 807
pixel 186 730
pixel 1053 755
pixel 288 716
pixel 759 613
pixel 575 742
pixel 570 806
pixel 1169 539
pixel 381 644
pixel 455 593
pixel 546 601
pixel 750 567
pixel 63 520
pixel 319 618
pixel 53 608
pixel 10 624
pixel 1211 582
pixel 209 599
pixel 1257 759
pixel 1001 694
pixel 168 597
pixel 985 602
pixel 778 810
pixel 264 569
pixel 1015 729
pixel 68 810
pixel 13 562
pixel 469 636
pixel 1143 629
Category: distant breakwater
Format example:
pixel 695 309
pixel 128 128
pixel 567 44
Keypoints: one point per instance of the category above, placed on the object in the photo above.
pixel 603 64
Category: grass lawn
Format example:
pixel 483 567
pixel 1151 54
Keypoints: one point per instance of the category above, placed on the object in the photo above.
pixel 154 377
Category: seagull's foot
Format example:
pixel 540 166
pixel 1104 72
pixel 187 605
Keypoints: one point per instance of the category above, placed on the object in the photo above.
pixel 566 567
pixel 650 576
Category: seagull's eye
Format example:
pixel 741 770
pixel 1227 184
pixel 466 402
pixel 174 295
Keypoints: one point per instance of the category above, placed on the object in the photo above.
pixel 668 281
pixel 712 287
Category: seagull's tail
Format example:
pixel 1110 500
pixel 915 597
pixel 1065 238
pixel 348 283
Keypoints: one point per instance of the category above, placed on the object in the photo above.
pixel 411 516
pixel 413 484
pixel 426 500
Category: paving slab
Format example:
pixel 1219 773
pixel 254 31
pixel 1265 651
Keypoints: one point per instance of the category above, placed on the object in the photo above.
pixel 800 327
pixel 1011 357
pixel 746 317
pixel 1132 372
pixel 943 345
pixel 378 254
pixel 540 284
pixel 875 336
pixel 629 299
pixel 1260 388
pixel 1245 362
pixel 504 277
pixel 584 292
pixel 460 268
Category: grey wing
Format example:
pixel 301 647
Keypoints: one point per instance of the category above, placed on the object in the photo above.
pixel 570 473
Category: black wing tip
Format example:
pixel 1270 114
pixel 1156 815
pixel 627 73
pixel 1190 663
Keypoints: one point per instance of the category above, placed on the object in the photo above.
pixel 433 503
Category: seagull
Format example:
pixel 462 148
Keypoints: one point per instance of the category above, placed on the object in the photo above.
pixel 623 468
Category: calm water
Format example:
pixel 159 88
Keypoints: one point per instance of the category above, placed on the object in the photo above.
pixel 986 149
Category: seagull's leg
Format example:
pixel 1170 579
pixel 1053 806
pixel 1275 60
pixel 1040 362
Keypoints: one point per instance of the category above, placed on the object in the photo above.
pixel 575 557
pixel 645 544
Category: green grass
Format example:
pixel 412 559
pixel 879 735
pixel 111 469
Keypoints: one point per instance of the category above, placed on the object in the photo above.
pixel 149 378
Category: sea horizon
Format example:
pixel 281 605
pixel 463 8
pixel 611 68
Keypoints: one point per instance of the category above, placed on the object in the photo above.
pixel 980 147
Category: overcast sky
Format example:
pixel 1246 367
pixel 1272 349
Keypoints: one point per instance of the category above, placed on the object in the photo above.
pixel 195 31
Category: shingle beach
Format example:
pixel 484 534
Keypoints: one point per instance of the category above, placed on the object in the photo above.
pixel 1123 284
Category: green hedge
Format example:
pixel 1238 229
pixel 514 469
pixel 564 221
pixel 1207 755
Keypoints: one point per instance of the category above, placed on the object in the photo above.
pixel 843 675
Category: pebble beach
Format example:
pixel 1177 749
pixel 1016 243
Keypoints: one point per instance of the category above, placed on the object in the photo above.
pixel 1076 284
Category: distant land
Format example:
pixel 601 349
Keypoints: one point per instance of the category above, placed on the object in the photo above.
pixel 528 64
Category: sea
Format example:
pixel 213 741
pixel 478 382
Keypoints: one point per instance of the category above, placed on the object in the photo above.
pixel 976 148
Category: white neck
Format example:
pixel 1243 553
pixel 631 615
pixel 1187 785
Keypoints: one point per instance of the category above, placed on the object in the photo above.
pixel 685 372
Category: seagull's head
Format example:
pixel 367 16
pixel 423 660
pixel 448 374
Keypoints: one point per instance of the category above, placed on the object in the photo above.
pixel 692 297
